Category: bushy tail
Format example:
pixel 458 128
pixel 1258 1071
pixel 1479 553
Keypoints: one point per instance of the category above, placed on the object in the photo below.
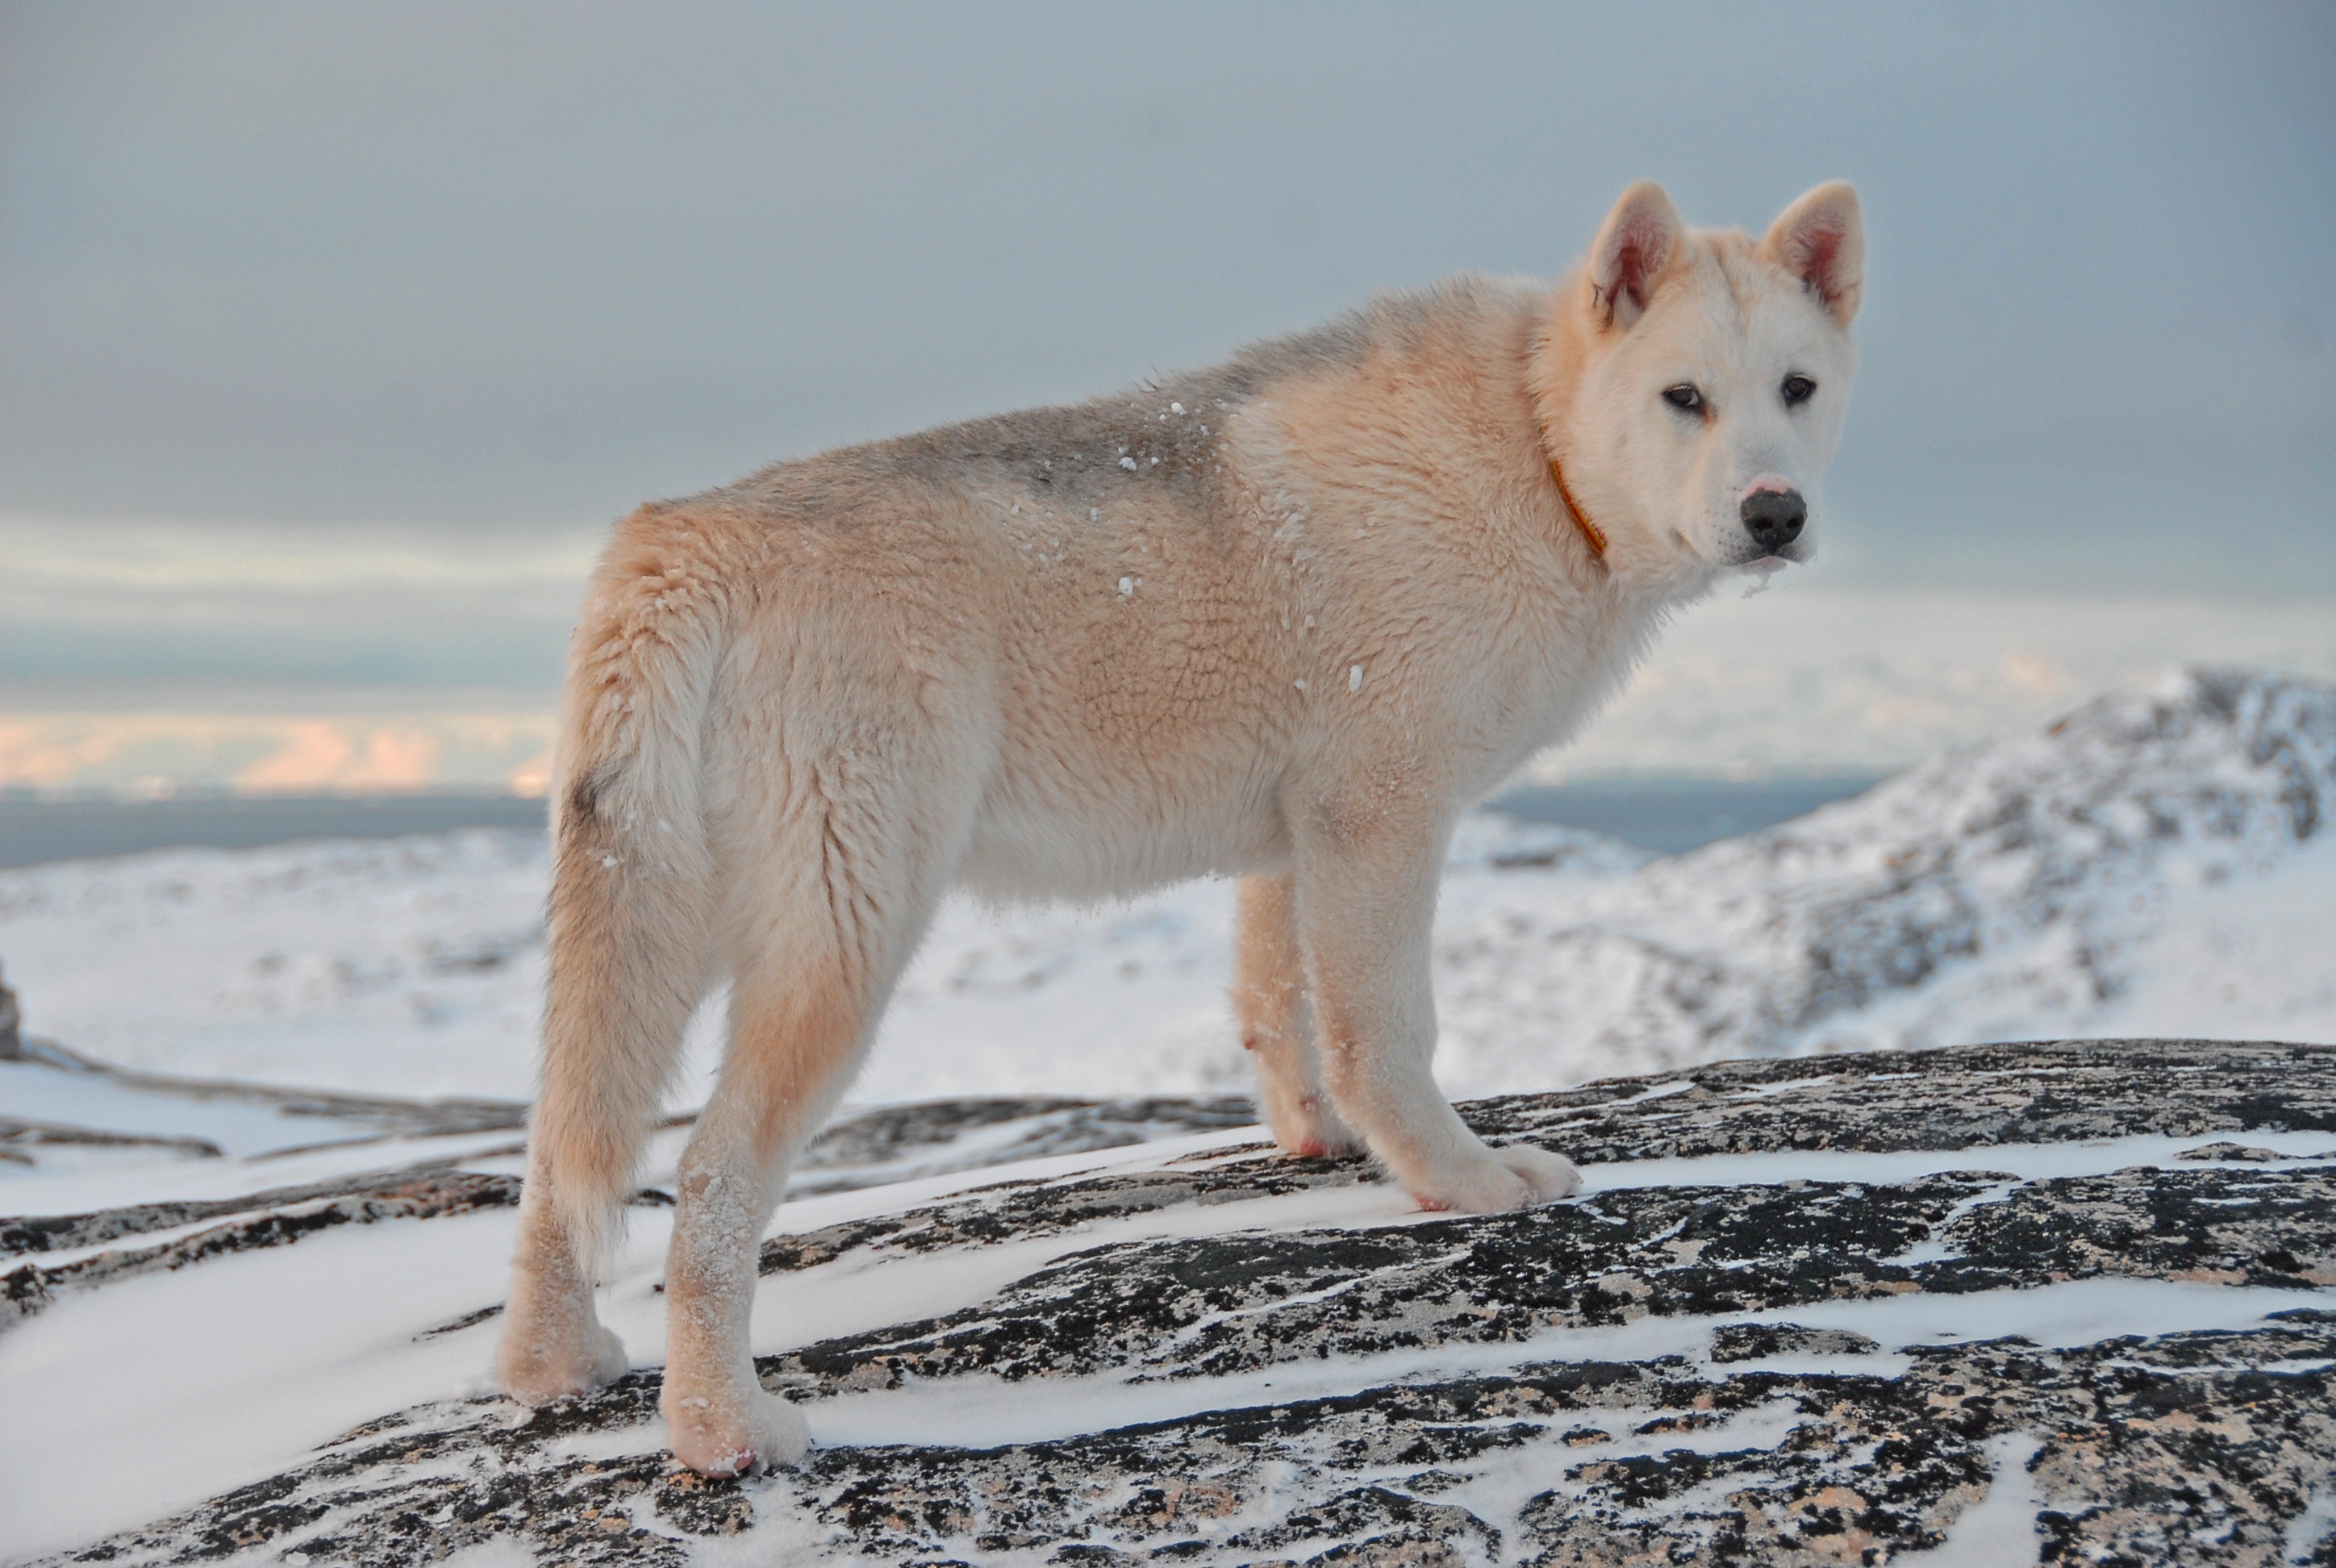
pixel 633 881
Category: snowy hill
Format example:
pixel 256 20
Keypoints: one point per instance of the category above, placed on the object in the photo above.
pixel 2157 862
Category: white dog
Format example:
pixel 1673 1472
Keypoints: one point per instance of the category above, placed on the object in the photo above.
pixel 1281 620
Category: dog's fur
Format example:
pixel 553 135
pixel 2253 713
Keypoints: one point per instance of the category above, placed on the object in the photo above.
pixel 1282 620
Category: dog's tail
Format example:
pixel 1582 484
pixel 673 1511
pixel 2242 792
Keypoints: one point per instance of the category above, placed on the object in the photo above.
pixel 633 881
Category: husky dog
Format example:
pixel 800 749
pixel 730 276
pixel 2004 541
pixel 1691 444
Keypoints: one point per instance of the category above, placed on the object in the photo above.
pixel 1282 620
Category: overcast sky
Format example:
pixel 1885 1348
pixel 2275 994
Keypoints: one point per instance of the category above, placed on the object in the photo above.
pixel 308 314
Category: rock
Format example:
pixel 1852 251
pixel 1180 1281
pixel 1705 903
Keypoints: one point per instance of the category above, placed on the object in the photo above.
pixel 12 1038
pixel 887 1144
pixel 904 1143
pixel 2243 1154
pixel 271 1219
pixel 1811 1311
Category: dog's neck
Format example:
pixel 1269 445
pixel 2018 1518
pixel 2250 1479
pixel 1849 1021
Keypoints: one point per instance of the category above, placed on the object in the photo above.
pixel 1592 534
pixel 1554 366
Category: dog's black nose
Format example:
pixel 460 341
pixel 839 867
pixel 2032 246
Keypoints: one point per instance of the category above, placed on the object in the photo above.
pixel 1774 518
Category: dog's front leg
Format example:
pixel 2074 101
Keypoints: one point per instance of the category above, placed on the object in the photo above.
pixel 1277 1022
pixel 1365 914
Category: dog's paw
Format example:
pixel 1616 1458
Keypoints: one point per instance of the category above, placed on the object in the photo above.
pixel 1551 1176
pixel 536 1367
pixel 1497 1181
pixel 1310 1129
pixel 1307 1125
pixel 734 1432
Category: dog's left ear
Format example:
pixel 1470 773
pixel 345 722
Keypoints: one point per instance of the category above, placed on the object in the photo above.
pixel 1821 241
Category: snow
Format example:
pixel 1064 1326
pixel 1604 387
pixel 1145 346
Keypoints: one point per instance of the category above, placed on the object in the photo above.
pixel 1836 680
pixel 304 1342
pixel 2025 1162
pixel 2000 1527
pixel 2153 864
pixel 2140 869
pixel 409 965
pixel 2313 1526
pixel 299 1343
pixel 981 1412
pixel 415 966
pixel 111 1179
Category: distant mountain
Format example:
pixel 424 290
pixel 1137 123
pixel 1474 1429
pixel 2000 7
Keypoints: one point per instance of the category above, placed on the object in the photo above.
pixel 2040 885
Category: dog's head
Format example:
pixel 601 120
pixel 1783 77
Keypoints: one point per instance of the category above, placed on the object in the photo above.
pixel 1712 375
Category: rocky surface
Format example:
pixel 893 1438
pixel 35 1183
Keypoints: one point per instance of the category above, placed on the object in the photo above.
pixel 45 1255
pixel 2069 1303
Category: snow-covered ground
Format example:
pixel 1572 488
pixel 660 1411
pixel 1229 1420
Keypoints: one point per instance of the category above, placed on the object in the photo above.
pixel 2158 862
pixel 262 1356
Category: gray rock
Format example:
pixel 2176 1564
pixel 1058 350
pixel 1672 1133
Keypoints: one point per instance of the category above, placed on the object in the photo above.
pixel 12 1018
pixel 1758 1361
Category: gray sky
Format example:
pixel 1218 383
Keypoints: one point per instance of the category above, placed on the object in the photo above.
pixel 304 310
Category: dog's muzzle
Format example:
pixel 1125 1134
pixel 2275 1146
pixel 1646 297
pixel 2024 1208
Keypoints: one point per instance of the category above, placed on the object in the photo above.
pixel 1774 518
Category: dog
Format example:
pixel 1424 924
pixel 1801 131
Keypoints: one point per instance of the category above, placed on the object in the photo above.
pixel 1281 620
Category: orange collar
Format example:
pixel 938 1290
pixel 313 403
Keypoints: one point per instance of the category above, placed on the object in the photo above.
pixel 1592 534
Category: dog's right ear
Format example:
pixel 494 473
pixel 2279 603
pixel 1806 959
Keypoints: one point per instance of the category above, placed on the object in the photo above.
pixel 1637 245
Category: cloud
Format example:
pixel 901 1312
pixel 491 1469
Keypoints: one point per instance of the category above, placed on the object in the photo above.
pixel 152 753
pixel 323 758
pixel 1796 680
pixel 436 292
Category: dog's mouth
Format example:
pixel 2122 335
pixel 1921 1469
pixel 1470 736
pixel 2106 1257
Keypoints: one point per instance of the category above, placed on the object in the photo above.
pixel 1797 553
pixel 1761 568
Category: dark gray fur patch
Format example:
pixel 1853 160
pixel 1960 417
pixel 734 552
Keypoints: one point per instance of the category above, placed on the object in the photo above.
pixel 1071 454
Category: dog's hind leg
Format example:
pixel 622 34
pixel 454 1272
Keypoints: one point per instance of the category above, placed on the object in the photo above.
pixel 628 964
pixel 630 949
pixel 827 908
pixel 1277 1021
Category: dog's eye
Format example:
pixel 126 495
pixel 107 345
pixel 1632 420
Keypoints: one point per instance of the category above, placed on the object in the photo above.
pixel 1684 395
pixel 1798 389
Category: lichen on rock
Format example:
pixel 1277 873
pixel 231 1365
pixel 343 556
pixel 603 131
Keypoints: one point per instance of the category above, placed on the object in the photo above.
pixel 1810 1311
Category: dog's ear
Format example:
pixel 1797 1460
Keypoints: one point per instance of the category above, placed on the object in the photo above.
pixel 1821 241
pixel 1637 245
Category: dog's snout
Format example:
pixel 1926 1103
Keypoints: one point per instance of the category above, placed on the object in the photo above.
pixel 1774 518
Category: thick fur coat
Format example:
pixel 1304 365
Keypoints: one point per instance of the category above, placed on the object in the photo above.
pixel 1281 620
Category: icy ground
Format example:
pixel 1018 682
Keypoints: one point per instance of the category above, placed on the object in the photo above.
pixel 1978 1306
pixel 231 1317
pixel 2158 862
